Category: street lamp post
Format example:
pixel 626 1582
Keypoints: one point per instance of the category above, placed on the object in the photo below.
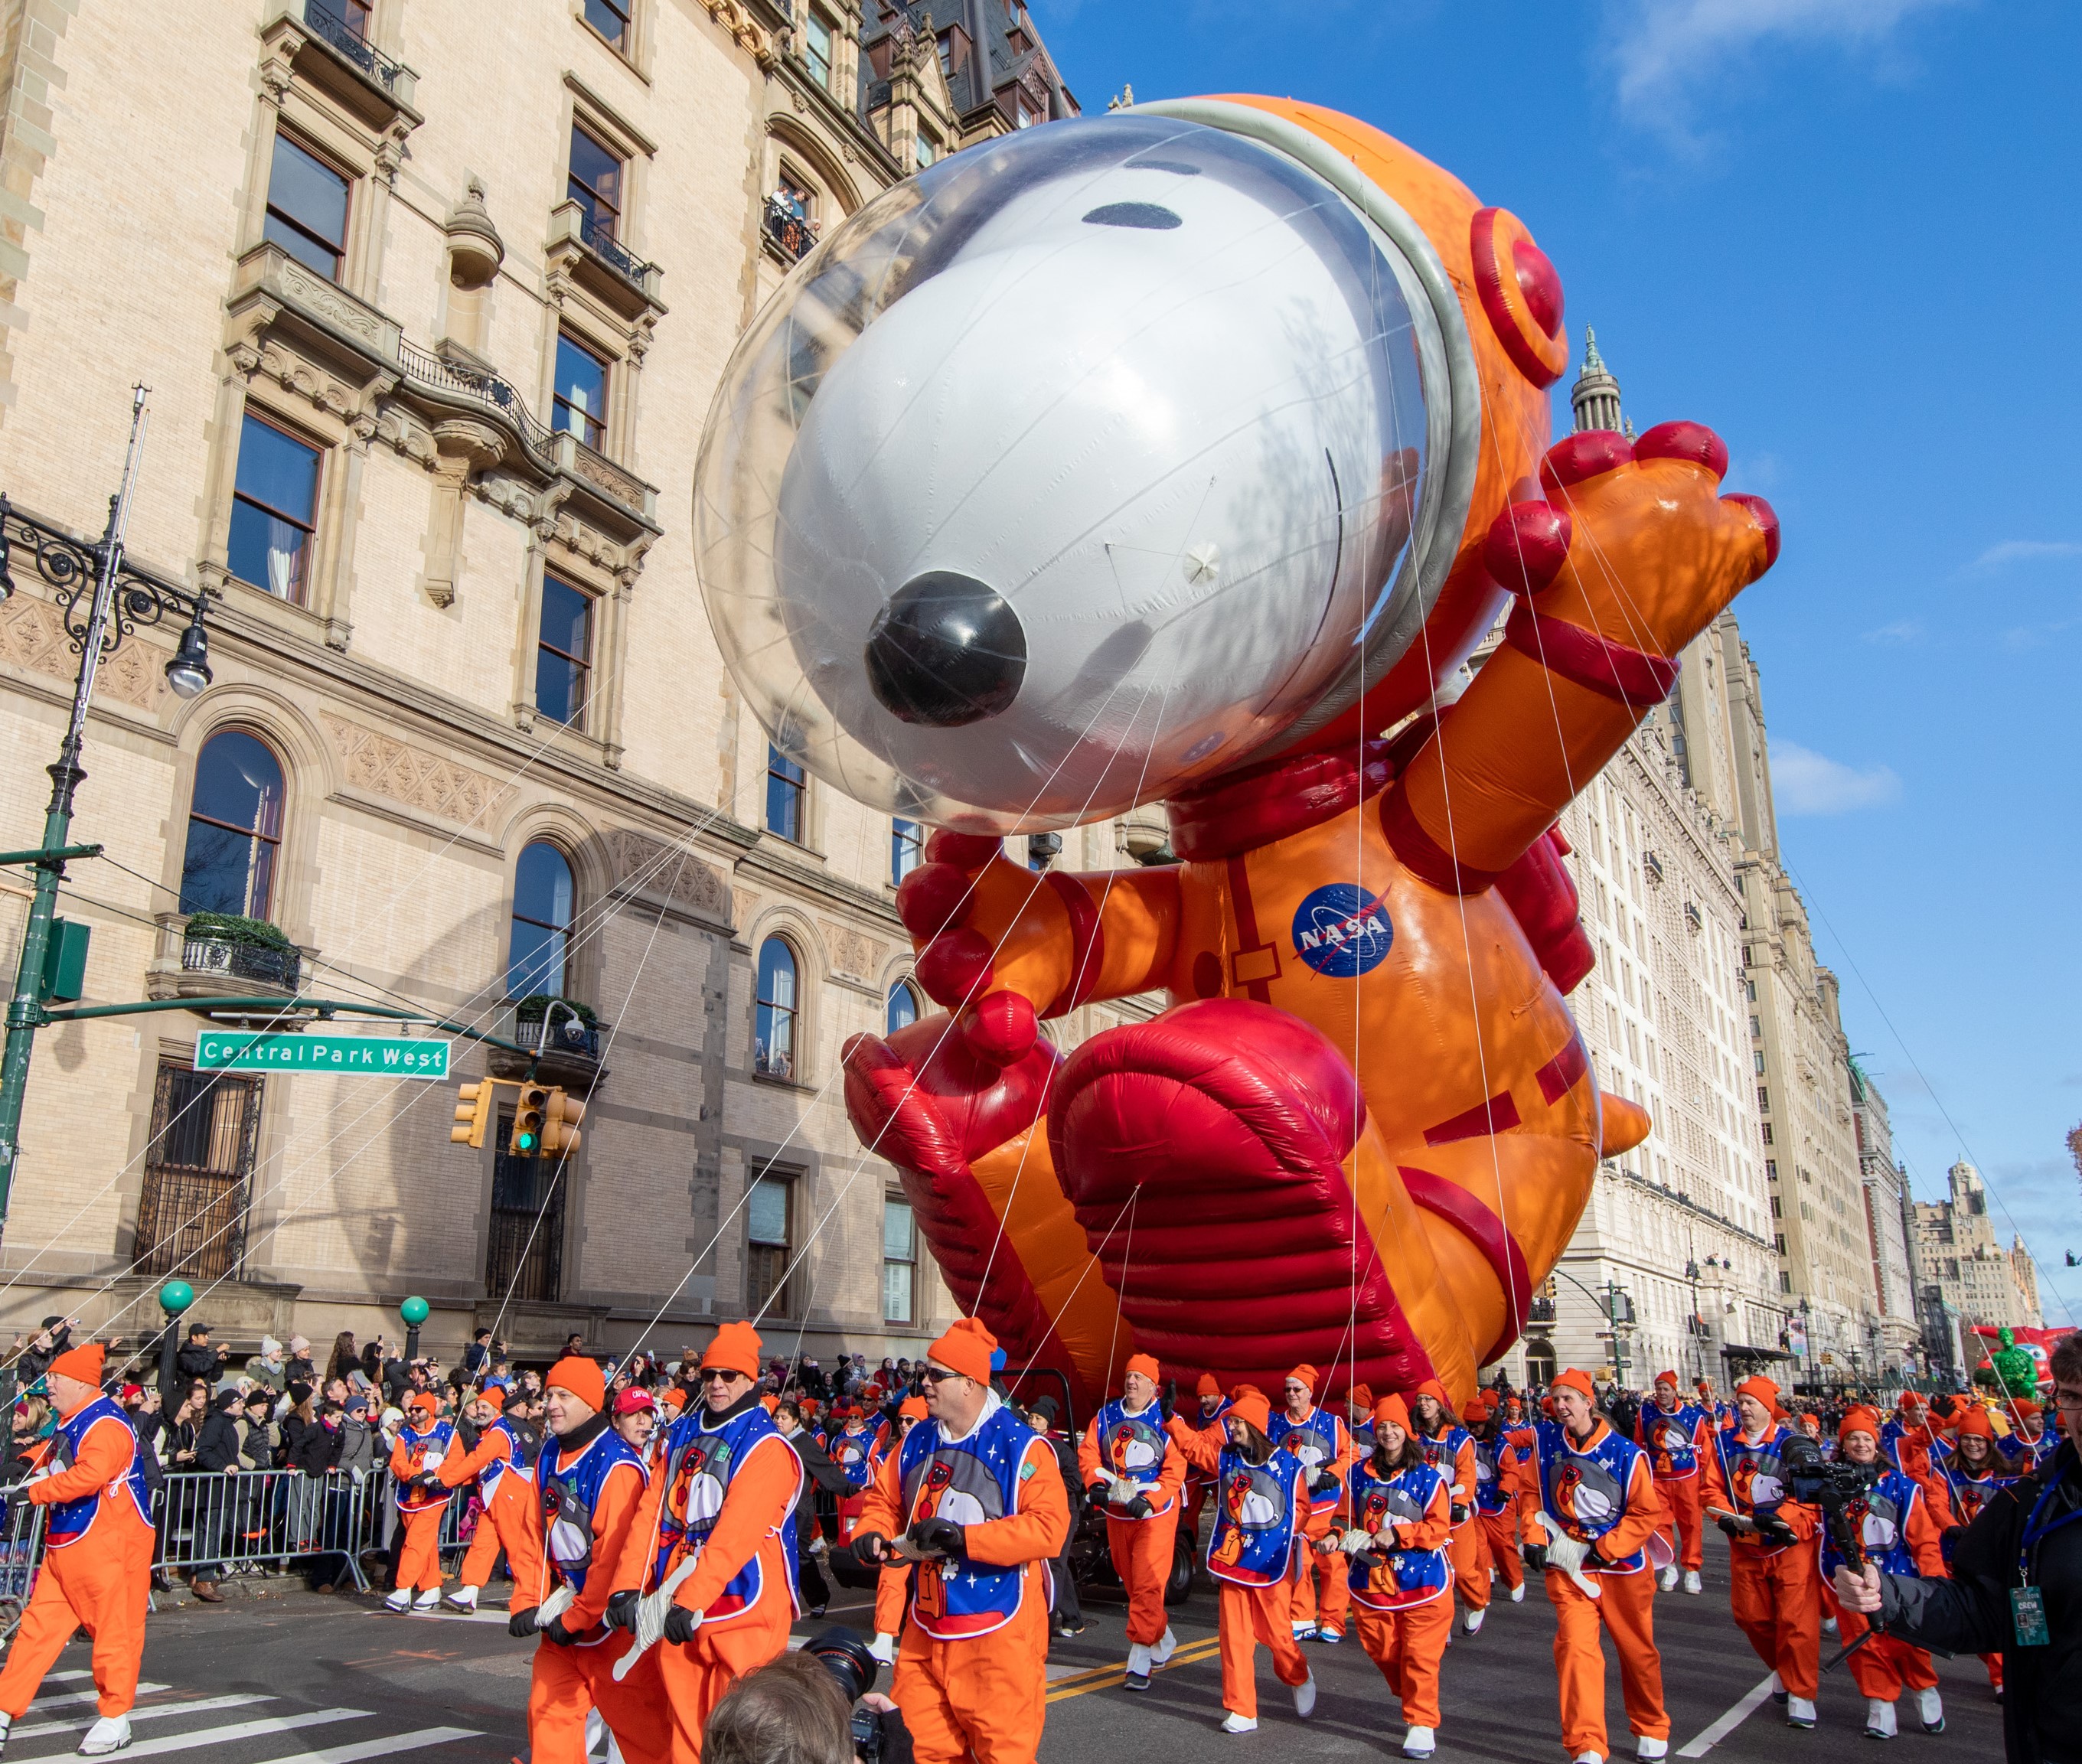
pixel 118 598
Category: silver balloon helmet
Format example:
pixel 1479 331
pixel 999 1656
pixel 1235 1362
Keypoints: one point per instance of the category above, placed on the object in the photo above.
pixel 1084 465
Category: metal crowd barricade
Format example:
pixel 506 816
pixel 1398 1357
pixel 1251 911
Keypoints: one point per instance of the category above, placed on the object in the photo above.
pixel 234 1523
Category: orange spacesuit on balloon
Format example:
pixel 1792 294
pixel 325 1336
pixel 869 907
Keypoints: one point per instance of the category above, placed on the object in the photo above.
pixel 1365 1129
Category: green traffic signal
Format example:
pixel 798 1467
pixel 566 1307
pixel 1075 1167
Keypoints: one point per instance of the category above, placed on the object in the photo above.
pixel 527 1144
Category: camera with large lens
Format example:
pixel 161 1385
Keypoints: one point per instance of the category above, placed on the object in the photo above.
pixel 846 1658
pixel 1817 1483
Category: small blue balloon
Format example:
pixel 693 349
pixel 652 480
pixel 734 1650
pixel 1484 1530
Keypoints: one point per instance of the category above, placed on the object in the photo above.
pixel 997 1359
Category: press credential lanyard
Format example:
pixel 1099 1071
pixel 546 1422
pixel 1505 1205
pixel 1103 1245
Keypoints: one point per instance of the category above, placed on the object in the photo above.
pixel 2027 1603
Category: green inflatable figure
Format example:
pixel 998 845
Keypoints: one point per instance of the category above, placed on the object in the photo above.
pixel 2016 1370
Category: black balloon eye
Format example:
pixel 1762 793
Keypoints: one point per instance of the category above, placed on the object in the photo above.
pixel 947 649
pixel 1152 215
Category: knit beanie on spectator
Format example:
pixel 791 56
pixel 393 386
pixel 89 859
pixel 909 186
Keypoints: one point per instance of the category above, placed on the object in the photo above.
pixel 299 1393
pixel 227 1401
pixel 965 1347
pixel 580 1377
pixel 83 1363
pixel 735 1349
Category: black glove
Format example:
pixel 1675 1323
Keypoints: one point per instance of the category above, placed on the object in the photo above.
pixel 1729 1525
pixel 1140 1507
pixel 1776 1532
pixel 1458 1513
pixel 943 1536
pixel 1167 1404
pixel 680 1624
pixel 1320 1479
pixel 1535 1555
pixel 1096 1494
pixel 1948 1537
pixel 622 1610
pixel 868 1547
pixel 520 1625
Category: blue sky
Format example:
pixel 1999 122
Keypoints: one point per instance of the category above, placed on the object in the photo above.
pixel 1843 233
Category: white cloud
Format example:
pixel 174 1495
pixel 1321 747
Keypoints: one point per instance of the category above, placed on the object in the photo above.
pixel 1804 782
pixel 1901 631
pixel 1661 50
pixel 2026 551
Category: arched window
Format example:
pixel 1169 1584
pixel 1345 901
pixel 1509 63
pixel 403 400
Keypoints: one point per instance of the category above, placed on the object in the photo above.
pixel 903 1007
pixel 541 940
pixel 773 1030
pixel 234 828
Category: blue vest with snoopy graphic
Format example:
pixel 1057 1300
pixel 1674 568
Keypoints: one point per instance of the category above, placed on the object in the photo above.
pixel 1586 1490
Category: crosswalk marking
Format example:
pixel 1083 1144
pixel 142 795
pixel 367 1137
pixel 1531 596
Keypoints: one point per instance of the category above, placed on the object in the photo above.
pixel 366 1748
pixel 71 1697
pixel 224 1735
pixel 145 1712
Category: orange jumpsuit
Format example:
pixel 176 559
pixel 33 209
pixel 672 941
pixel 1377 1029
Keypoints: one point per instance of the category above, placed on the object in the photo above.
pixel 981 1696
pixel 567 1680
pixel 1496 1532
pixel 1777 1593
pixel 99 1580
pixel 1141 1548
pixel 760 1493
pixel 1682 1506
pixel 1886 1665
pixel 1624 1607
pixel 1464 1549
pixel 504 1490
pixel 1322 1595
pixel 419 1561
pixel 1247 1615
pixel 1408 1641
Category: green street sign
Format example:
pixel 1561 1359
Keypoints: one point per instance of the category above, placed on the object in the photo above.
pixel 373 1056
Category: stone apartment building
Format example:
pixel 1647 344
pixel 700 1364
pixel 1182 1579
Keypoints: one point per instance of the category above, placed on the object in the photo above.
pixel 1894 1336
pixel 431 299
pixel 1960 1264
pixel 1681 1225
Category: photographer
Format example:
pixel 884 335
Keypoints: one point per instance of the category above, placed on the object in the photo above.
pixel 2015 1587
pixel 808 1708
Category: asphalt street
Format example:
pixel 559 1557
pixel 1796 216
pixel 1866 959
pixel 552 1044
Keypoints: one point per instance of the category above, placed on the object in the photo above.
pixel 290 1675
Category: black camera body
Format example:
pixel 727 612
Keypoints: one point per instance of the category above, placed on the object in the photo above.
pixel 1832 1486
pixel 845 1657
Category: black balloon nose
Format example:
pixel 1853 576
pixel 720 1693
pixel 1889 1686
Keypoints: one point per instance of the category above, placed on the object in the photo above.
pixel 947 649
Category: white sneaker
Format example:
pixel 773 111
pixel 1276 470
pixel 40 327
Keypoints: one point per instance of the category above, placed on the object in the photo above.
pixel 463 1598
pixel 1167 1644
pixel 1645 1748
pixel 1518 1593
pixel 1138 1666
pixel 429 1600
pixel 1799 1712
pixel 1879 1720
pixel 1930 1710
pixel 399 1602
pixel 1828 1626
pixel 1419 1742
pixel 1693 1583
pixel 883 1648
pixel 1588 1757
pixel 1304 1696
pixel 1305 1630
pixel 1667 1579
pixel 1234 1723
pixel 111 1733
pixel 1472 1623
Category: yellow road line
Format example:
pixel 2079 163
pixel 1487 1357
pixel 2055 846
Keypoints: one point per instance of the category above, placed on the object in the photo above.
pixel 1105 1677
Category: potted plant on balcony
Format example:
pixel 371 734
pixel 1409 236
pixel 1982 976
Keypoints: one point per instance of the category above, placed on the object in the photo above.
pixel 240 949
pixel 563 1036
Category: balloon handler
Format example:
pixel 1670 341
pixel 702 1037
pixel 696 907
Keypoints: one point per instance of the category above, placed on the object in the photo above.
pixel 422 1449
pixel 499 1462
pixel 1134 1471
pixel 974 1497
pixel 1263 1518
pixel 1364 1127
pixel 708 1571
pixel 98 1561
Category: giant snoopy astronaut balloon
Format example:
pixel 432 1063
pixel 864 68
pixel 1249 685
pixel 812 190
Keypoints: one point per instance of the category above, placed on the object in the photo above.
pixel 1182 456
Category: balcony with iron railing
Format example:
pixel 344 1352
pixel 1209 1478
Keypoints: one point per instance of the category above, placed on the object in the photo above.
pixel 329 48
pixel 206 956
pixel 787 232
pixel 586 248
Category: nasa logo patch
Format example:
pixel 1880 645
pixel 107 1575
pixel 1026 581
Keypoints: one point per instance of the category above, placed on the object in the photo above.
pixel 1342 931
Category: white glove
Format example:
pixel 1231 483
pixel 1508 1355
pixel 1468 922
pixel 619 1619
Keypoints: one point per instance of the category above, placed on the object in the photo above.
pixel 1354 1541
pixel 1120 1491
pixel 883 1649
pixel 1565 1553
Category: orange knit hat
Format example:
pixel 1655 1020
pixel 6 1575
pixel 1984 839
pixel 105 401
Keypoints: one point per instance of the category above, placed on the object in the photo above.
pixel 83 1363
pixel 912 1406
pixel 580 1377
pixel 1975 1420
pixel 735 1349
pixel 1252 1408
pixel 1208 1385
pixel 1306 1373
pixel 1574 1380
pixel 1761 1389
pixel 1391 1408
pixel 1143 1363
pixel 965 1347
pixel 1361 1398
pixel 424 1403
pixel 1859 1420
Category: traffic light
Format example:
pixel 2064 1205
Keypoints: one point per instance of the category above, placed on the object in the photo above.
pixel 560 1124
pixel 530 1109
pixel 473 1113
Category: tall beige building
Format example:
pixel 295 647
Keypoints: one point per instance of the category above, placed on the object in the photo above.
pixel 432 298
pixel 1678 1230
pixel 1894 1336
pixel 1960 1263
